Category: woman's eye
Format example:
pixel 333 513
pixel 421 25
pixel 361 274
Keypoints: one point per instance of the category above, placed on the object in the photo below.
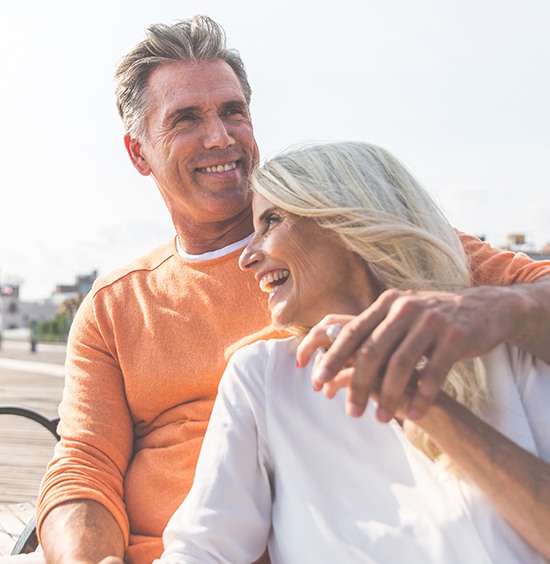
pixel 272 219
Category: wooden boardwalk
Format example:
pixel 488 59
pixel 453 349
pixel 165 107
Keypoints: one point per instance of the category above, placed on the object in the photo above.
pixel 32 380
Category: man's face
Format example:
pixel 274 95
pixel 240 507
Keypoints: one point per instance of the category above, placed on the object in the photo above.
pixel 199 142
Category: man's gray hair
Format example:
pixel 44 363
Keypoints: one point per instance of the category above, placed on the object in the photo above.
pixel 196 40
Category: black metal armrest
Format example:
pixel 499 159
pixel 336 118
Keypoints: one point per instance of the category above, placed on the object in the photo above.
pixel 28 540
pixel 50 424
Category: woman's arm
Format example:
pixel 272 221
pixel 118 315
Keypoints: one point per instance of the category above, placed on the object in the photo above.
pixel 515 481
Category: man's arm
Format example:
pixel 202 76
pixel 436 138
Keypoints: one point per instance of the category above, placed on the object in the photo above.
pixel 533 335
pixel 515 481
pixel 401 328
pixel 81 532
pixel 389 339
pixel 80 507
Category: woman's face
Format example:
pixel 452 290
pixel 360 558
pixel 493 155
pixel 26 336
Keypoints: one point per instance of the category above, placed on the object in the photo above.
pixel 306 270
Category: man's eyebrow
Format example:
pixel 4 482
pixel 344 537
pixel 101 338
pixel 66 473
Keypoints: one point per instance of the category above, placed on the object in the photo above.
pixel 234 104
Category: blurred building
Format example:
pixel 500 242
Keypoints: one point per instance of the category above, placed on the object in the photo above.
pixel 518 242
pixel 82 285
pixel 16 314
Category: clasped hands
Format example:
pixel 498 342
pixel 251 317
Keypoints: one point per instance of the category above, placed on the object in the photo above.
pixel 378 351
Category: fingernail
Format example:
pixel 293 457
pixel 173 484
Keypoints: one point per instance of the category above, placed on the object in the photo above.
pixel 382 415
pixel 322 375
pixel 316 386
pixel 353 410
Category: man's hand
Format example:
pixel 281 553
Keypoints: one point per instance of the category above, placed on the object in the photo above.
pixel 382 346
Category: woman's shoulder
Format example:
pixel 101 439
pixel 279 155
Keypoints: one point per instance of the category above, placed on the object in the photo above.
pixel 254 365
pixel 269 349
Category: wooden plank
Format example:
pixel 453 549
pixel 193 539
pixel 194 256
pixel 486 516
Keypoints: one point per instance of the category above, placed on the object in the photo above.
pixel 11 523
pixel 7 542
pixel 25 446
pixel 13 519
pixel 24 511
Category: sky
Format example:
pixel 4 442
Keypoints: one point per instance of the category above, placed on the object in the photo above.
pixel 458 90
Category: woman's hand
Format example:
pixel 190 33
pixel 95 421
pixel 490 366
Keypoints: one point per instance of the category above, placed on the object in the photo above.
pixel 383 345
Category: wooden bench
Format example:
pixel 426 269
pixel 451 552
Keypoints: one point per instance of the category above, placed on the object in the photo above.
pixel 14 516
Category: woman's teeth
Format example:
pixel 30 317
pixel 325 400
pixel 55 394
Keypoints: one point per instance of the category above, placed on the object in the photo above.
pixel 273 279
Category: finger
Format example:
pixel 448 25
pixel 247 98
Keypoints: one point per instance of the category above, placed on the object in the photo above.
pixel 349 341
pixel 444 345
pixel 371 363
pixel 433 375
pixel 317 337
pixel 401 366
pixel 316 359
pixel 362 381
pixel 340 381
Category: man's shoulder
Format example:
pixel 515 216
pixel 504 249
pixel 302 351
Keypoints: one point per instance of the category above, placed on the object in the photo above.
pixel 145 264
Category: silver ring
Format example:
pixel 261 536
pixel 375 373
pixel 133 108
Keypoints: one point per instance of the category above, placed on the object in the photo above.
pixel 333 331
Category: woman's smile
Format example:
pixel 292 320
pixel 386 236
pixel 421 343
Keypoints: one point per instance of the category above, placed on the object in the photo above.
pixel 273 279
pixel 307 271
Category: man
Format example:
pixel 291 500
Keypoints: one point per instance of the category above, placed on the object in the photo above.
pixel 151 341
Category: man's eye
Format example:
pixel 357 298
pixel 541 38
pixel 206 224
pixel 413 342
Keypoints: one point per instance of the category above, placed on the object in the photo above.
pixel 234 112
pixel 185 118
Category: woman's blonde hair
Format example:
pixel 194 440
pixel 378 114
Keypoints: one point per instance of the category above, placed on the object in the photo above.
pixel 365 196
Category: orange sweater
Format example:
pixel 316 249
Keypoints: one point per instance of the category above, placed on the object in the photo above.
pixel 146 352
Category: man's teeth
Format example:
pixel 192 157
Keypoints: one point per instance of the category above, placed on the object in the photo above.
pixel 273 279
pixel 220 168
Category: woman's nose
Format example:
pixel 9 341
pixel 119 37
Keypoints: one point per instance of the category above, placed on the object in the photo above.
pixel 250 256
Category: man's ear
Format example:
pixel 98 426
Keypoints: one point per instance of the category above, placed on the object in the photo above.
pixel 133 146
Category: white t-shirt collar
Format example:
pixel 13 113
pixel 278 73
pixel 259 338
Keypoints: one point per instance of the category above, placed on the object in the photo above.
pixel 214 254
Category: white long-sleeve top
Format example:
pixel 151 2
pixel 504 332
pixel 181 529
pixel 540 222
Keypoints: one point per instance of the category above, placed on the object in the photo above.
pixel 284 466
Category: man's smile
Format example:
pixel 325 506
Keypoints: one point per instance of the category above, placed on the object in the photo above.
pixel 219 167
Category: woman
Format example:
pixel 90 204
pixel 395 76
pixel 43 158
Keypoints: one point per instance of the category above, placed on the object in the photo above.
pixel 335 226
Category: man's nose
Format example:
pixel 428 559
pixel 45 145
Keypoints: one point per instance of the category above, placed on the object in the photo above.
pixel 217 134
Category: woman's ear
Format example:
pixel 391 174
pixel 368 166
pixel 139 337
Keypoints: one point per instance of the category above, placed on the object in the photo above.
pixel 133 146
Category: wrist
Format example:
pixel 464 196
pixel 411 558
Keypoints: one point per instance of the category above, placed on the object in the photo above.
pixel 525 311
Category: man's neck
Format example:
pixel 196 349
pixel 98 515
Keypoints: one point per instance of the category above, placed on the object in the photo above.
pixel 199 239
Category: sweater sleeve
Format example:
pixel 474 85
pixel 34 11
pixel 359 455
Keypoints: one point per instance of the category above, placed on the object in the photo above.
pixel 227 515
pixel 96 429
pixel 495 267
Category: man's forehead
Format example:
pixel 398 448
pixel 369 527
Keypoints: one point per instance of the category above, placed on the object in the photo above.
pixel 192 84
